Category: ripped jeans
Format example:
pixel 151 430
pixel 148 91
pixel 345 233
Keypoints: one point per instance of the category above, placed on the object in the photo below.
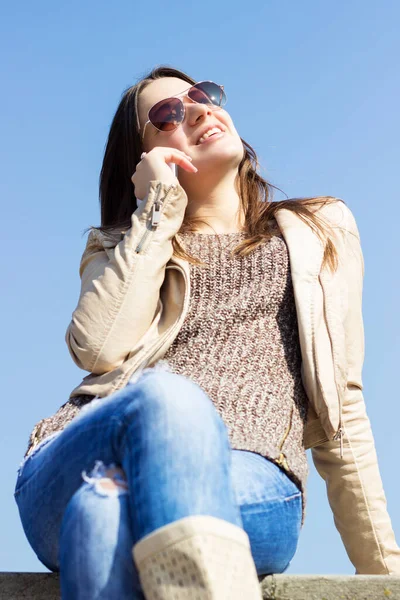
pixel 150 453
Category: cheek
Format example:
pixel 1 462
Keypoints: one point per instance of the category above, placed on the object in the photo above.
pixel 233 129
pixel 226 119
pixel 176 139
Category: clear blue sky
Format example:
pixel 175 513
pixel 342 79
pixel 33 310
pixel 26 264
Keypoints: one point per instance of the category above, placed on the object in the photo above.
pixel 312 86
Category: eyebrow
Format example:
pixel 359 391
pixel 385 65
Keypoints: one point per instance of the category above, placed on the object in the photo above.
pixel 173 96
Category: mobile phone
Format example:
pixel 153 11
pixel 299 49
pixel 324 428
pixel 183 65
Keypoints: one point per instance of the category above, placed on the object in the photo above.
pixel 173 168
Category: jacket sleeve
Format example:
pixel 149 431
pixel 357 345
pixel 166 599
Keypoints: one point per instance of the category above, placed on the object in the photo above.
pixel 120 283
pixel 354 485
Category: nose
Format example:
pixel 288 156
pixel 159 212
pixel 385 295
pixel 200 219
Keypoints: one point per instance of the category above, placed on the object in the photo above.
pixel 195 111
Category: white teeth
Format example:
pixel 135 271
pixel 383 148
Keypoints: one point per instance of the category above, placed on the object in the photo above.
pixel 208 133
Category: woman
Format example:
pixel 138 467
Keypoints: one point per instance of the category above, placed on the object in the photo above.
pixel 223 336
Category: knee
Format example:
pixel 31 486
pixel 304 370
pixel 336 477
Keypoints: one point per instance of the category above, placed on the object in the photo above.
pixel 106 480
pixel 166 395
pixel 102 483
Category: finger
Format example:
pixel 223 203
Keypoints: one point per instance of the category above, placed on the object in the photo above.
pixel 168 152
pixel 185 163
pixel 180 158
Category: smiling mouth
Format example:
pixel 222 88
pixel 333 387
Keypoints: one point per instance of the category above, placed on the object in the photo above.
pixel 210 137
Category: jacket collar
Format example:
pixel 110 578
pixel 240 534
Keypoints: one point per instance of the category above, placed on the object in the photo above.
pixel 305 249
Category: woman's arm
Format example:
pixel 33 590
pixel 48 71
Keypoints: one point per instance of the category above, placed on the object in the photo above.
pixel 120 286
pixel 354 484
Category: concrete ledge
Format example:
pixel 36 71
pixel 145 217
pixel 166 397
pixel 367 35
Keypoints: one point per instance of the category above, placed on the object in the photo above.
pixel 35 586
pixel 330 587
pixel 45 586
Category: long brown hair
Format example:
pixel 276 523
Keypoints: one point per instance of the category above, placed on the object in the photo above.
pixel 122 153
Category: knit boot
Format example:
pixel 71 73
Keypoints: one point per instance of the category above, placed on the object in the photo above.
pixel 197 558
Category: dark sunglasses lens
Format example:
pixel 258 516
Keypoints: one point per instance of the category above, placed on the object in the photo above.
pixel 167 114
pixel 208 92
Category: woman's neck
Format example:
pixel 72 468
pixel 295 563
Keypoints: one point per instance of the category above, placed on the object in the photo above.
pixel 220 207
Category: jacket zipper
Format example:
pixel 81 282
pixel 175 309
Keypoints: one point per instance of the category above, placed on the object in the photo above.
pixel 156 211
pixel 339 436
pixel 282 458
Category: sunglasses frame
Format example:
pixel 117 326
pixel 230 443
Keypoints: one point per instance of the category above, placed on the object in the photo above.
pixel 179 96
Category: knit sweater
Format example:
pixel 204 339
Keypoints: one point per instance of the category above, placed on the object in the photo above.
pixel 239 341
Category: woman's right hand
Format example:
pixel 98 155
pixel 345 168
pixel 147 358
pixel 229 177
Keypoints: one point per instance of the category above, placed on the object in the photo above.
pixel 154 166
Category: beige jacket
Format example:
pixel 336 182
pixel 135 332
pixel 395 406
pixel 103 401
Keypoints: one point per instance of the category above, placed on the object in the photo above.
pixel 134 298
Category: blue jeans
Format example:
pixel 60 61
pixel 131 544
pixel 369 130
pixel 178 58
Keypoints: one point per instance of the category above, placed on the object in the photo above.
pixel 169 449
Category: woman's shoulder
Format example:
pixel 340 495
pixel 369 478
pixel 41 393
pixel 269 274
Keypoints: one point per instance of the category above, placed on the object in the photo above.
pixel 333 210
pixel 339 215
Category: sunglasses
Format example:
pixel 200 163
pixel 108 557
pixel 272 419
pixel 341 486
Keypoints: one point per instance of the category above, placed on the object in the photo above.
pixel 169 113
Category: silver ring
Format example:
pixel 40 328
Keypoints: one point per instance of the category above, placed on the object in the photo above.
pixel 143 154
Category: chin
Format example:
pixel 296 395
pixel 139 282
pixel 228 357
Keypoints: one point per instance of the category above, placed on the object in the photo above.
pixel 221 153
